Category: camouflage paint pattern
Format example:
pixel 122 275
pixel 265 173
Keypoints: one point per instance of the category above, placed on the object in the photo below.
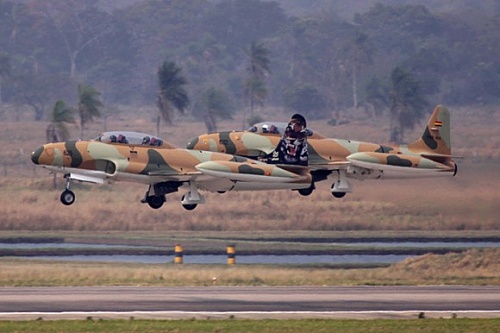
pixel 431 152
pixel 116 161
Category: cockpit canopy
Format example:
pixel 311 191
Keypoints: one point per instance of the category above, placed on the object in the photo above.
pixel 268 128
pixel 132 138
pixel 276 127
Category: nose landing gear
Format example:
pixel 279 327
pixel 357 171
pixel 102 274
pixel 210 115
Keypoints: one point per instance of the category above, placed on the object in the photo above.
pixel 67 196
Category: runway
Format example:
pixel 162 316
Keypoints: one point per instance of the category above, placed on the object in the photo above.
pixel 248 302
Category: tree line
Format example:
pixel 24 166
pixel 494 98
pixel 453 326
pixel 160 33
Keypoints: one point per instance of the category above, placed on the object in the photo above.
pixel 239 55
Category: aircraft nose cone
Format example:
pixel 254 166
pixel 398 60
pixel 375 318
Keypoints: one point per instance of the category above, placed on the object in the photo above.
pixel 192 143
pixel 36 154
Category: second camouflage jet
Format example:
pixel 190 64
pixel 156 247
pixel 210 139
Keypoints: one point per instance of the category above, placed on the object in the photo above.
pixel 337 159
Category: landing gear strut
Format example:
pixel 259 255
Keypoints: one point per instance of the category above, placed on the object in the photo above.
pixel 341 186
pixel 67 196
pixel 154 201
pixel 192 198
pixel 155 195
pixel 187 206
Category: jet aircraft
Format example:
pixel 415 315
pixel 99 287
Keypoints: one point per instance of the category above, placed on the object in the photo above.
pixel 146 159
pixel 341 160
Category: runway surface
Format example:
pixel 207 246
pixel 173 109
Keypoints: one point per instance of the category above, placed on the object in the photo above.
pixel 248 302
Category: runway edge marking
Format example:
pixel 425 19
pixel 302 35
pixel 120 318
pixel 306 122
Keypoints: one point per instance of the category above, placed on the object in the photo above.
pixel 407 314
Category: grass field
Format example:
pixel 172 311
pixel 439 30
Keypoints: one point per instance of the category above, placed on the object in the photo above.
pixel 466 202
pixel 461 206
pixel 261 326
pixel 472 267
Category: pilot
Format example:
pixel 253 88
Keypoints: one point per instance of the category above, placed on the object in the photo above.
pixel 145 140
pixel 292 147
pixel 122 139
pixel 265 128
pixel 274 129
pixel 112 138
pixel 297 127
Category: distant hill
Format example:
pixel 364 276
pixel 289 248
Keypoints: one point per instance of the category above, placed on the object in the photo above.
pixel 347 9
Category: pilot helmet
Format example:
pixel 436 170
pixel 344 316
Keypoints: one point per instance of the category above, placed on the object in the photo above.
pixel 298 118
pixel 265 128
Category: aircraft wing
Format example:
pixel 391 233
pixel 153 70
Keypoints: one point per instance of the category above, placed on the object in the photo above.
pixel 255 172
pixel 96 178
pixel 175 176
pixel 338 165
pixel 89 176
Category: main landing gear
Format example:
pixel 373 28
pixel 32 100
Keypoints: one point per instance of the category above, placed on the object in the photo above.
pixel 307 191
pixel 192 198
pixel 341 186
pixel 67 196
pixel 155 195
pixel 155 201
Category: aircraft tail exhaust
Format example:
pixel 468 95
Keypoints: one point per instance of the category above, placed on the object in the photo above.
pixel 436 138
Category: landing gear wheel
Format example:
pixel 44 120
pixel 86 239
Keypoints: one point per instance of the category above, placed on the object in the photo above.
pixel 338 194
pixel 67 197
pixel 155 202
pixel 306 191
pixel 188 206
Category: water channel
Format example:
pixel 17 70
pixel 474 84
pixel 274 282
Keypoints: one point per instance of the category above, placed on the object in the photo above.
pixel 288 259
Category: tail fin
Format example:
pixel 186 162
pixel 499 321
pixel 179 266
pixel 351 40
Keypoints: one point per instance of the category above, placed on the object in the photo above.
pixel 436 137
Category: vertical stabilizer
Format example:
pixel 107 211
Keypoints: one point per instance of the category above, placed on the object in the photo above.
pixel 436 137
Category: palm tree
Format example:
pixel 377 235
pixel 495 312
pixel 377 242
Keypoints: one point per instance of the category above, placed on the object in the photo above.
pixel 407 103
pixel 258 65
pixel 360 56
pixel 215 105
pixel 258 70
pixel 4 69
pixel 60 116
pixel 256 93
pixel 172 95
pixel 57 131
pixel 88 105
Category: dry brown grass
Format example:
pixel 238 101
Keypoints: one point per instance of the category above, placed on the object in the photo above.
pixel 481 265
pixel 466 202
pixel 470 267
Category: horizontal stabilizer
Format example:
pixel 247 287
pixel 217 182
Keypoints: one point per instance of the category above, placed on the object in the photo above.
pixel 400 164
pixel 440 158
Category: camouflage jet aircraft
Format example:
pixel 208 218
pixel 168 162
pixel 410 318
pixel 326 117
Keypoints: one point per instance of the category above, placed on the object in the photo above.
pixel 146 159
pixel 340 159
